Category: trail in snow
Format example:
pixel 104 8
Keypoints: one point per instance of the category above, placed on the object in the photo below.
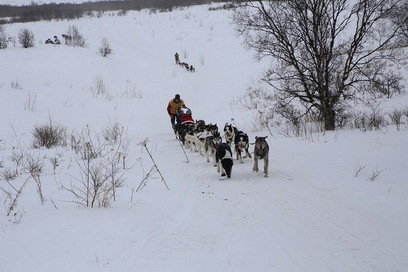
pixel 208 220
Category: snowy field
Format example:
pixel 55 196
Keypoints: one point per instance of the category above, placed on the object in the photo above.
pixel 333 202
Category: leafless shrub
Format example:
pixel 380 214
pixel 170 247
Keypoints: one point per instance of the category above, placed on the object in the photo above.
pixel 374 175
pixel 131 91
pixel 3 38
pixel 397 116
pixel 26 38
pixel 369 120
pixel 105 48
pixel 255 98
pixel 358 169
pixel 89 184
pixel 76 38
pixel 34 166
pixel 116 161
pixel 184 53
pixel 17 217
pixel 376 118
pixel 99 89
pixel 12 40
pixel 343 116
pixel 11 200
pixel 112 133
pixel 98 181
pixel 262 120
pixel 389 85
pixel 8 174
pixel 381 83
pixel 49 135
pixel 202 60
pixel 74 143
pixel 83 144
pixel 294 117
pixel 101 165
pixel 297 122
pixel 98 188
pixel 89 151
pixel 30 102
pixel 15 84
pixel 17 158
pixel 55 161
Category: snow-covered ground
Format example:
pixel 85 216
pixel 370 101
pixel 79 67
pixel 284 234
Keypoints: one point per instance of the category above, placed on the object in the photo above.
pixel 315 212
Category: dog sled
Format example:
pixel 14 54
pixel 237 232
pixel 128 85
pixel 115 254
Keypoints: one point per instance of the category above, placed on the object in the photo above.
pixel 185 123
pixel 185 117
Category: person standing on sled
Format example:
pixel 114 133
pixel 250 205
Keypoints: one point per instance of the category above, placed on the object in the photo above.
pixel 173 108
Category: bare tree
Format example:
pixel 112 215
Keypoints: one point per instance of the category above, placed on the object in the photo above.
pixel 326 50
pixel 400 16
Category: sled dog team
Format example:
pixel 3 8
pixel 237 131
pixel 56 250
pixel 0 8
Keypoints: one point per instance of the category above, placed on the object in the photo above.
pixel 208 142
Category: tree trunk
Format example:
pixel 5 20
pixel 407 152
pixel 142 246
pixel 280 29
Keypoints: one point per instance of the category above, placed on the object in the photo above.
pixel 329 118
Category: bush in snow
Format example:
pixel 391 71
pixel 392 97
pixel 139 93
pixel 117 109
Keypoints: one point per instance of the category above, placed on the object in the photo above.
pixel 3 38
pixel 75 38
pixel 8 174
pixel 26 38
pixel 34 166
pixel 105 49
pixel 371 119
pixel 399 116
pixel 101 166
pixel 49 135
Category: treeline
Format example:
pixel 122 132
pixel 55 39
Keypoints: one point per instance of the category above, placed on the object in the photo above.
pixel 68 11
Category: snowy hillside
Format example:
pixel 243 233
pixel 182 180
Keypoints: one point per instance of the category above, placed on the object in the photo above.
pixel 332 202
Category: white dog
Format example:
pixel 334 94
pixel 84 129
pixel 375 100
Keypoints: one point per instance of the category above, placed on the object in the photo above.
pixel 190 142
pixel 200 138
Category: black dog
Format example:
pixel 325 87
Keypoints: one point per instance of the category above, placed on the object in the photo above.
pixel 223 157
pixel 199 125
pixel 182 130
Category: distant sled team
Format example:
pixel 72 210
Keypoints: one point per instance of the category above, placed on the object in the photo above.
pixel 206 140
pixel 183 64
pixel 56 40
